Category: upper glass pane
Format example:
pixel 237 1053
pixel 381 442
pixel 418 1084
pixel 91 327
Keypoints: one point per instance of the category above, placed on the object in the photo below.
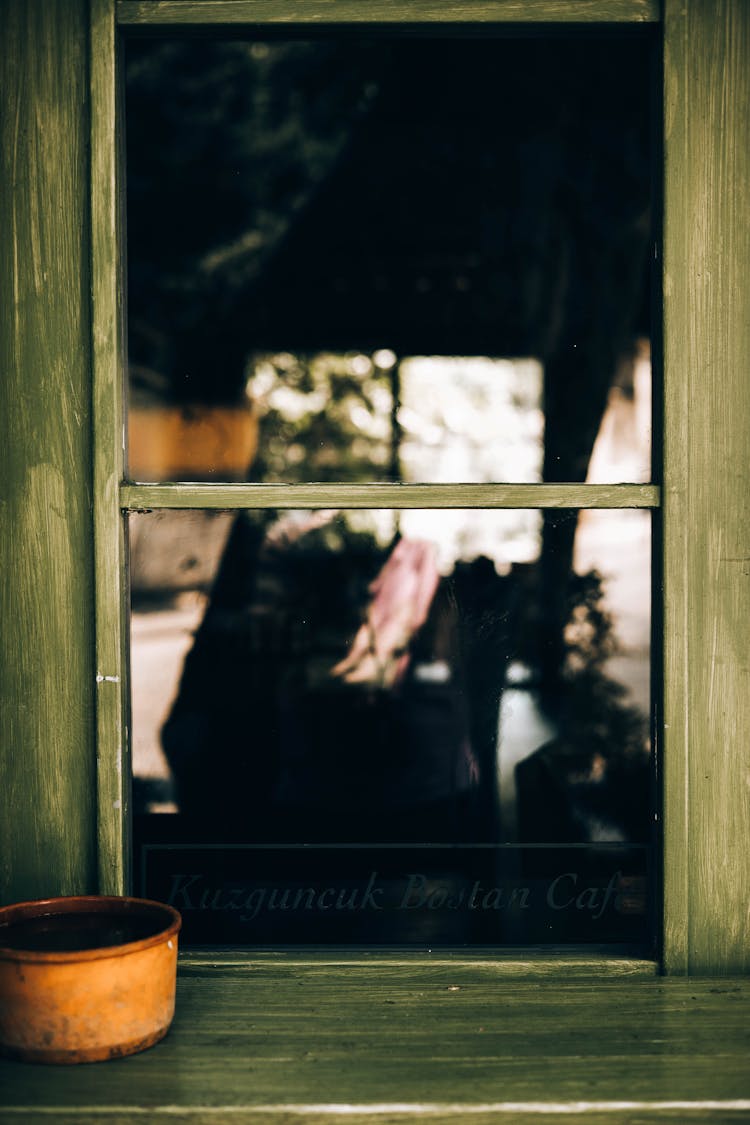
pixel 417 260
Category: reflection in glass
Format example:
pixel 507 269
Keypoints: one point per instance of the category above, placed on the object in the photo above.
pixel 401 678
pixel 425 418
pixel 392 260
pixel 332 242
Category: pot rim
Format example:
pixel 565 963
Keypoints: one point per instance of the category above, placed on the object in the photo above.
pixel 115 905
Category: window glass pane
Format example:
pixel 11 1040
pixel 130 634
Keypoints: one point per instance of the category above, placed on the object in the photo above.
pixel 451 707
pixel 418 260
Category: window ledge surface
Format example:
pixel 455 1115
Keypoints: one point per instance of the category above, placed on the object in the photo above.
pixel 288 1037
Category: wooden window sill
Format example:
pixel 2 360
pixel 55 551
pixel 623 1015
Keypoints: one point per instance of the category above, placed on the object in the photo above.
pixel 291 1037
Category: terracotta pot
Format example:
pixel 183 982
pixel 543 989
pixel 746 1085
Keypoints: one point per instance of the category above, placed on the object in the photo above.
pixel 86 978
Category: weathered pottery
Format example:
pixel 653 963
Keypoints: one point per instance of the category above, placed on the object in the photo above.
pixel 86 978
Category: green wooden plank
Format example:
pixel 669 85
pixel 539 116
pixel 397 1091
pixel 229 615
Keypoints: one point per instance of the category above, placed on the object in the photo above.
pixel 146 496
pixel 113 758
pixel 182 13
pixel 716 1112
pixel 424 1041
pixel 513 963
pixel 675 515
pixel 47 758
pixel 707 481
pixel 541 1113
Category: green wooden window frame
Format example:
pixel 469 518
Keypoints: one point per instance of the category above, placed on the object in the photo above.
pixel 64 661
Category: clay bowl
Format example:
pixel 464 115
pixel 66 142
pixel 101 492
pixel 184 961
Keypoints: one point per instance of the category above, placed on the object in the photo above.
pixel 86 978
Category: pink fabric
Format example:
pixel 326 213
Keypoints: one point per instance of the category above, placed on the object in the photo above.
pixel 402 596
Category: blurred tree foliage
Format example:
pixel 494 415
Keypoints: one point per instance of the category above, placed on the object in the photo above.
pixel 228 144
pixel 594 779
pixel 433 197
pixel 591 707
pixel 324 417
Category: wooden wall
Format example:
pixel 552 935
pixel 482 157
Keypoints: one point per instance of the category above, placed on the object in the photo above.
pixel 47 754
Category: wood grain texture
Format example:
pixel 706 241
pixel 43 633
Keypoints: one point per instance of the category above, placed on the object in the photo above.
pixel 108 333
pixel 717 1112
pixel 47 670
pixel 184 13
pixel 707 482
pixel 47 759
pixel 417 1041
pixel 517 963
pixel 146 496
pixel 675 512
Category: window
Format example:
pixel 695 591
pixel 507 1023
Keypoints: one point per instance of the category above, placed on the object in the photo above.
pixel 328 703
pixel 72 831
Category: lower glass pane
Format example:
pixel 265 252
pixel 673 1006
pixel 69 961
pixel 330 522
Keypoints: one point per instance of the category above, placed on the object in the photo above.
pixel 409 727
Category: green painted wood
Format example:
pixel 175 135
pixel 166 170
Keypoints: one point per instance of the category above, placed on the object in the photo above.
pixel 675 514
pixel 145 496
pixel 504 962
pixel 639 1112
pixel 47 758
pixel 707 482
pixel 113 757
pixel 47 687
pixel 182 13
pixel 718 1111
pixel 417 1041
